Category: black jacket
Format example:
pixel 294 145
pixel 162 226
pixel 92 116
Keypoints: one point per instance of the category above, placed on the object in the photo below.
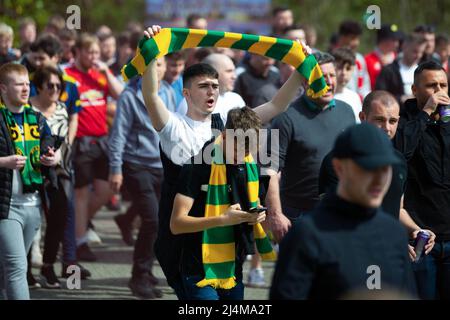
pixel 425 143
pixel 334 250
pixel 7 149
pixel 391 81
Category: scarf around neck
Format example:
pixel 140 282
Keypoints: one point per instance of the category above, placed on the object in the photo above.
pixel 26 144
pixel 218 244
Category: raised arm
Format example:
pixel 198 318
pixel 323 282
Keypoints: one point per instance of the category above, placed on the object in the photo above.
pixel 284 96
pixel 157 110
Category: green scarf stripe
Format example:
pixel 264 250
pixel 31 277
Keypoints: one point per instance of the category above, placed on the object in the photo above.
pixel 318 84
pixel 217 195
pixel 149 50
pixel 246 42
pixel 252 172
pixel 219 235
pixel 221 270
pixel 263 245
pixel 279 50
pixel 130 71
pixel 307 66
pixel 30 173
pixel 253 204
pixel 178 39
pixel 211 38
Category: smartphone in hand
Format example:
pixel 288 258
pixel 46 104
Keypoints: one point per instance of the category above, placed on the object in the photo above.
pixel 257 210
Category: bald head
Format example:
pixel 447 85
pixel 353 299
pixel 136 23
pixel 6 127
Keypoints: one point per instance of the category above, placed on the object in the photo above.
pixel 226 69
pixel 381 109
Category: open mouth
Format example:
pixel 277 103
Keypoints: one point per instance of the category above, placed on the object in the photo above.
pixel 210 102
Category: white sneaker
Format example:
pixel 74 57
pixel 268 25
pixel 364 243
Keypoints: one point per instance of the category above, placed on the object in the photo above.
pixel 92 237
pixel 256 278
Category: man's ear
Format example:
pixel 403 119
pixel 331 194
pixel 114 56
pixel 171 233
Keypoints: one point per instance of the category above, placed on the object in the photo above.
pixel 185 92
pixel 338 167
pixel 362 116
pixel 414 89
pixel 2 87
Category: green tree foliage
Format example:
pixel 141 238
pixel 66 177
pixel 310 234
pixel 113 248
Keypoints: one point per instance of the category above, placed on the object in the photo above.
pixel 326 15
pixel 114 13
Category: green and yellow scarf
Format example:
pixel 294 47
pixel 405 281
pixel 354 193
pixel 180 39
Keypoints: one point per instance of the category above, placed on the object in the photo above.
pixel 28 145
pixel 175 39
pixel 218 247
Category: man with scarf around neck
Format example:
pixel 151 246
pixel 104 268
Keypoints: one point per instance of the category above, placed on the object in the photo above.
pixel 25 146
pixel 348 243
pixel 210 212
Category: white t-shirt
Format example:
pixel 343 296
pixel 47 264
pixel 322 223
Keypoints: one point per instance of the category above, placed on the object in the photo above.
pixel 407 74
pixel 227 101
pixel 351 98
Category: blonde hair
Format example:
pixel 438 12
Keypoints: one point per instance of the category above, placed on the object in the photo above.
pixel 6 30
pixel 85 41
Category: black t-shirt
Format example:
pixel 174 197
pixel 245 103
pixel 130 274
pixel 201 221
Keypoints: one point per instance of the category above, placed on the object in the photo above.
pixel 193 183
pixel 391 203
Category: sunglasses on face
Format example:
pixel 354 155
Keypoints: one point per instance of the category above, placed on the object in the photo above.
pixel 56 86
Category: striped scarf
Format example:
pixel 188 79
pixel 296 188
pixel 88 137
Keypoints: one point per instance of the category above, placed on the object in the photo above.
pixel 175 39
pixel 218 246
pixel 27 145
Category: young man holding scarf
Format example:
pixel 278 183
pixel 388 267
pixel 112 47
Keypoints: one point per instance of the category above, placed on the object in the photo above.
pixel 211 211
pixel 23 133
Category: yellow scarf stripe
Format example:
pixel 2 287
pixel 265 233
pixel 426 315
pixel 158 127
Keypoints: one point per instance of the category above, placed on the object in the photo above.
pixel 218 253
pixel 218 246
pixel 174 39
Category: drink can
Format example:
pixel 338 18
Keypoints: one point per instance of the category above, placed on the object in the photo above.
pixel 421 241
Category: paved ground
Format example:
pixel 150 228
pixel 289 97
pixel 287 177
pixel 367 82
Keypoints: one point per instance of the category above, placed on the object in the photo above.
pixel 110 274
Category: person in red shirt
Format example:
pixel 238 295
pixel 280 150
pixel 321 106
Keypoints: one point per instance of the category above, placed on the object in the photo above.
pixel 385 52
pixel 95 83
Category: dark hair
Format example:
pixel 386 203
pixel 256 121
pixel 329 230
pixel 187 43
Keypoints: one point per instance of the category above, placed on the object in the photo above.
pixel 66 34
pixel 344 56
pixel 415 39
pixel 43 74
pixel 48 43
pixel 177 55
pixel 124 38
pixel 197 70
pixel 277 10
pixel 427 65
pixel 384 97
pixel 245 119
pixel 323 57
pixel 350 28
pixel 105 36
pixel 424 28
pixel 193 17
pixel 442 39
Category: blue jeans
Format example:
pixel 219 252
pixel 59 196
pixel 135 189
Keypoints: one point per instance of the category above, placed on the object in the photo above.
pixel 432 273
pixel 16 235
pixel 192 292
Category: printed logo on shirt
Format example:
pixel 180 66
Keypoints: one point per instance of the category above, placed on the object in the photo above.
pixel 92 98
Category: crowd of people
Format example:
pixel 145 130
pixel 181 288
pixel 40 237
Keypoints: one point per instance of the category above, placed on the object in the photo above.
pixel 343 195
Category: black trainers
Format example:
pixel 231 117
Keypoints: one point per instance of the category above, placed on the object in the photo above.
pixel 125 228
pixel 32 282
pixel 141 287
pixel 84 253
pixel 50 279
pixel 84 273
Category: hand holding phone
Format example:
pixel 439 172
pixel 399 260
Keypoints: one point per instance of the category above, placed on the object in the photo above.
pixel 257 209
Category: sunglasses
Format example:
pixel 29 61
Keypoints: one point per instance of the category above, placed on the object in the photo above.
pixel 51 86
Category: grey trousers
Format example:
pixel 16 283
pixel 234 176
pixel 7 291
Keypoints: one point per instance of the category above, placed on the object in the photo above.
pixel 16 235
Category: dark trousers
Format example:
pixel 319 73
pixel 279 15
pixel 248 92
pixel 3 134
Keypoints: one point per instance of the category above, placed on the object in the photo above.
pixel 432 273
pixel 56 217
pixel 144 187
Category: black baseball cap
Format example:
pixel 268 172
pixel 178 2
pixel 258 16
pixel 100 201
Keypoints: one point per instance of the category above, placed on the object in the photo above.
pixel 367 145
pixel 388 32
